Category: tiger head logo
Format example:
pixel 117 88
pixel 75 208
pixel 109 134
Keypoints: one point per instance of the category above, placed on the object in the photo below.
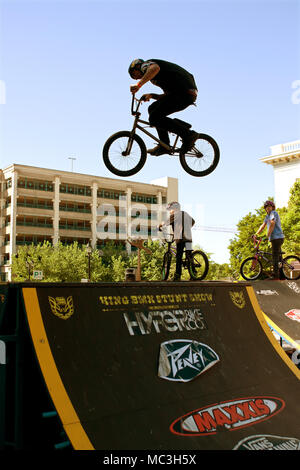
pixel 238 298
pixel 61 307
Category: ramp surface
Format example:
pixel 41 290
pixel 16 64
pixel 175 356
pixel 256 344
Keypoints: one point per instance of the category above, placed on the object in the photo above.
pixel 172 366
pixel 280 302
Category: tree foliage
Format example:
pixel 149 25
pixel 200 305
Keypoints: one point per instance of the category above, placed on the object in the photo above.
pixel 242 246
pixel 71 263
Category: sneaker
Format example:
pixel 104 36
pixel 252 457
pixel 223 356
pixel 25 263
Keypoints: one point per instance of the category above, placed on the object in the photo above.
pixel 158 150
pixel 188 142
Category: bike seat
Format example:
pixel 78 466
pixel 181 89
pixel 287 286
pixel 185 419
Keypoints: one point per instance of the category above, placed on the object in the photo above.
pixel 183 123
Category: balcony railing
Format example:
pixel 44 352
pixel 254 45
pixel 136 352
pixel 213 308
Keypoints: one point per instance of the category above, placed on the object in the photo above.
pixel 34 224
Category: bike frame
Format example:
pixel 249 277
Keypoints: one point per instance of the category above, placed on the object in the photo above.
pixel 260 253
pixel 172 250
pixel 136 125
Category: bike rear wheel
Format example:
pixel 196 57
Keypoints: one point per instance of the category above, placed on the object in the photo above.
pixel 198 265
pixel 203 158
pixel 166 266
pixel 124 154
pixel 251 268
pixel 291 267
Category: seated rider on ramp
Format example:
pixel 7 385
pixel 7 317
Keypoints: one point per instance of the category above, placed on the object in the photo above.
pixel 180 91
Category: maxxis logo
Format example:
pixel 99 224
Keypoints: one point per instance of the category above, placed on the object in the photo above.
pixel 227 416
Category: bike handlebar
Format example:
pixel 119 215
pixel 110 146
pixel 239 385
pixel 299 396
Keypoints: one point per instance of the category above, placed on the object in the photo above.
pixel 257 241
pixel 169 238
pixel 135 111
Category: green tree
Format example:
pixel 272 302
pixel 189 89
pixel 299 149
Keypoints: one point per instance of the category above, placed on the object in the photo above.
pixel 241 246
pixel 290 220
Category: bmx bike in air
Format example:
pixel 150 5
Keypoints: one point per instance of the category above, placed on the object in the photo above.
pixel 125 153
pixel 253 267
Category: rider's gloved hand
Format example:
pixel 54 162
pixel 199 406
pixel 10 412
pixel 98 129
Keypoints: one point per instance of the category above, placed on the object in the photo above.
pixel 160 227
pixel 134 88
pixel 146 97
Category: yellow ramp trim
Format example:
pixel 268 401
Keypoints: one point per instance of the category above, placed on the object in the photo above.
pixel 281 332
pixel 61 400
pixel 263 322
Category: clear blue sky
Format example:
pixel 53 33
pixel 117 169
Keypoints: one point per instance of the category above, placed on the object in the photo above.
pixel 64 65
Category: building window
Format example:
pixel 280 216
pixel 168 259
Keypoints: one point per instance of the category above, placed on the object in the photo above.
pixel 26 183
pixel 146 198
pixel 75 189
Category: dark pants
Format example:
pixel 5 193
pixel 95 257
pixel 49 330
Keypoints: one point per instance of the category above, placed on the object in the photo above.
pixel 276 249
pixel 179 254
pixel 180 245
pixel 163 107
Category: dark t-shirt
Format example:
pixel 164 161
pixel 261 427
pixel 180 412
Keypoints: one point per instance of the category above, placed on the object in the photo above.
pixel 171 77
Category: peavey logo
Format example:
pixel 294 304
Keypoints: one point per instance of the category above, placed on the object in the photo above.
pixel 227 416
pixel 61 307
pixel 182 360
pixel 267 442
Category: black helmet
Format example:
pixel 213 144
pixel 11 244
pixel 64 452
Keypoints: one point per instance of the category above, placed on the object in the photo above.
pixel 269 203
pixel 135 64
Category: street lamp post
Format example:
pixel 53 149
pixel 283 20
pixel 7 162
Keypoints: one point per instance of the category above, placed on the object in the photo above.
pixel 89 250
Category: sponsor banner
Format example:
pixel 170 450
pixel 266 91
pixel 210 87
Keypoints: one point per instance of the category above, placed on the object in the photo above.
pixel 62 307
pixel 293 285
pixel 182 360
pixel 156 301
pixel 293 314
pixel 267 292
pixel 267 442
pixel 227 416
pixel 145 323
pixel 238 298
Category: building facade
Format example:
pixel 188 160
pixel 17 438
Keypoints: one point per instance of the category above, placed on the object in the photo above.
pixel 38 204
pixel 285 159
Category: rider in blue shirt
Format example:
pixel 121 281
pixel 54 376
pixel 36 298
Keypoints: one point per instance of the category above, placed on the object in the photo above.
pixel 275 234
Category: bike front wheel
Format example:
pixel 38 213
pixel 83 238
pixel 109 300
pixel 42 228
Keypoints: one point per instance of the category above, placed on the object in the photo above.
pixel 198 265
pixel 203 158
pixel 124 154
pixel 251 269
pixel 166 266
pixel 291 267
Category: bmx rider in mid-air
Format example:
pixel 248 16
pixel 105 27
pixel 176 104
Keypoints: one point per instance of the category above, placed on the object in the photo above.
pixel 180 91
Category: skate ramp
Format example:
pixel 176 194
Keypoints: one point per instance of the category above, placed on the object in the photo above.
pixel 280 302
pixel 163 366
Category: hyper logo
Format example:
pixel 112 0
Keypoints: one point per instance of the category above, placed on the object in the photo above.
pixel 227 416
pixel 182 360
